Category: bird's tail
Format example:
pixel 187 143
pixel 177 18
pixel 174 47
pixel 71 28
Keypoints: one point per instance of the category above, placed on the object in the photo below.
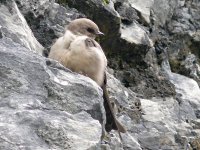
pixel 111 121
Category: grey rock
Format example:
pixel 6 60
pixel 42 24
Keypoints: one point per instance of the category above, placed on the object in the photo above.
pixel 184 29
pixel 196 36
pixel 126 101
pixel 47 19
pixel 154 10
pixel 13 25
pixel 180 41
pixel 127 13
pixel 135 35
pixel 185 19
pixel 189 92
pixel 143 7
pixel 183 23
pixel 163 10
pixel 43 103
pixel 190 63
pixel 158 127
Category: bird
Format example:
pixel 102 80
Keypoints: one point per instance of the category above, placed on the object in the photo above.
pixel 77 27
pixel 78 51
pixel 86 57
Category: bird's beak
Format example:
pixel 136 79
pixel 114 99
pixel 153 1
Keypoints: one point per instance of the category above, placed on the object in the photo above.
pixel 99 33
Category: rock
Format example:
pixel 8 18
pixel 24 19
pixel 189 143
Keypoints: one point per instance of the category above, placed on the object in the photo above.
pixel 127 106
pixel 183 23
pixel 194 46
pixel 162 11
pixel 47 19
pixel 127 13
pixel 124 99
pixel 71 132
pixel 184 53
pixel 46 104
pixel 181 40
pixel 14 26
pixel 169 116
pixel 159 11
pixel 40 102
pixel 185 19
pixel 192 66
pixel 188 88
pixel 196 36
pixel 143 7
pixel 135 35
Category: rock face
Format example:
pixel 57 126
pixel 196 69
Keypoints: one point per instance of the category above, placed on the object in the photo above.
pixel 13 25
pixel 153 80
pixel 39 109
pixel 47 19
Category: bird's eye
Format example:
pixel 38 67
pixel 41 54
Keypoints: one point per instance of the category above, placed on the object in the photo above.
pixel 90 30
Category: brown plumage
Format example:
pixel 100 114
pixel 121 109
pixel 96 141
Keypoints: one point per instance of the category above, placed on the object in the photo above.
pixel 84 26
pixel 78 27
pixel 78 51
pixel 86 57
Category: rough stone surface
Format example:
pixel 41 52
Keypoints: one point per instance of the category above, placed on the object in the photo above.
pixel 135 34
pixel 184 29
pixel 13 25
pixel 47 19
pixel 143 7
pixel 153 50
pixel 39 102
pixel 162 11
pixel 128 14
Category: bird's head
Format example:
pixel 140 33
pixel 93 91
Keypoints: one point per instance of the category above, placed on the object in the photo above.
pixel 84 26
